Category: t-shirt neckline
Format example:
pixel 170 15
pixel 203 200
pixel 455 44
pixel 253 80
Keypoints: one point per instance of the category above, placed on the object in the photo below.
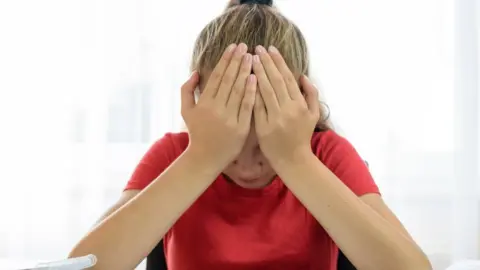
pixel 223 186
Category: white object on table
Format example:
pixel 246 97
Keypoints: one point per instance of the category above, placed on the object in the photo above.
pixel 78 263
pixel 465 265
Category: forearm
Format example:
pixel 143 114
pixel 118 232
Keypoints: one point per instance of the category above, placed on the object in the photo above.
pixel 126 237
pixel 369 240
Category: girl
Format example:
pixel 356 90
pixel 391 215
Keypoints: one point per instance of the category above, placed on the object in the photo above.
pixel 260 181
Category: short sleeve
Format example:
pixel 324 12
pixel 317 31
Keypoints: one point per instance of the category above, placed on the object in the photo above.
pixel 158 157
pixel 342 159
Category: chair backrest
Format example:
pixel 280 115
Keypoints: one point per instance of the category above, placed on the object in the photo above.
pixel 156 260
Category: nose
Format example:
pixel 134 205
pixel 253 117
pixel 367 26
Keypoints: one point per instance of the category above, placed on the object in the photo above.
pixel 249 164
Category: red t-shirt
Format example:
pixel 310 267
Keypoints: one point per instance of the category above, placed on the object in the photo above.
pixel 230 227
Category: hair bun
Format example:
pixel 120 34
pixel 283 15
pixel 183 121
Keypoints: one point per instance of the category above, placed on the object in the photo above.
pixel 258 2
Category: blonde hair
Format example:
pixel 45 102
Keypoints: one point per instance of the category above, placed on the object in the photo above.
pixel 253 24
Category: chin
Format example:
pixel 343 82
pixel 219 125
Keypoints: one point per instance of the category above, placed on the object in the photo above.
pixel 253 184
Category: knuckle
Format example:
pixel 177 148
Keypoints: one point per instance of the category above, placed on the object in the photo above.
pixel 277 77
pixel 305 110
pixel 271 94
pixel 292 113
pixel 185 89
pixel 246 68
pixel 237 90
pixel 231 124
pixel 300 111
pixel 247 105
pixel 216 75
pixel 259 105
pixel 202 104
pixel 290 80
pixel 228 77
pixel 235 62
pixel 218 111
pixel 242 132
pixel 184 114
pixel 280 124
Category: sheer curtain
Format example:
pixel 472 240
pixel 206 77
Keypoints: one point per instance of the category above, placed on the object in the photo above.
pixel 87 86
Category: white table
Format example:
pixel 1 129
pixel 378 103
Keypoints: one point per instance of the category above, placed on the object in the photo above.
pixel 466 265
pixel 9 264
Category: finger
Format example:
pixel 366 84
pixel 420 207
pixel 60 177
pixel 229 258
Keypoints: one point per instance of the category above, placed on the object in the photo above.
pixel 260 110
pixel 248 101
pixel 230 75
pixel 187 90
pixel 311 94
pixel 266 89
pixel 215 79
pixel 238 90
pixel 274 75
pixel 289 79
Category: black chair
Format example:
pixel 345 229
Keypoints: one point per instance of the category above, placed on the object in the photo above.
pixel 156 260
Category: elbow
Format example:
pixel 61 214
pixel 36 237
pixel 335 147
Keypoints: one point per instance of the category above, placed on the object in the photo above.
pixel 415 260
pixel 422 263
pixel 82 249
pixel 418 262
pixel 79 251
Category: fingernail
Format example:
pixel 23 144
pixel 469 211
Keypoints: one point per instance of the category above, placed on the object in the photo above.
pixel 256 58
pixel 259 49
pixel 247 59
pixel 193 73
pixel 251 78
pixel 242 48
pixel 231 47
pixel 272 49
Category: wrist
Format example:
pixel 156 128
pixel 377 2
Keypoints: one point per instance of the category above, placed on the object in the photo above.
pixel 296 157
pixel 203 162
pixel 298 167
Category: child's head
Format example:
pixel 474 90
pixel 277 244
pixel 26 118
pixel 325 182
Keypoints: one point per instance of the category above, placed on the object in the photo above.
pixel 252 24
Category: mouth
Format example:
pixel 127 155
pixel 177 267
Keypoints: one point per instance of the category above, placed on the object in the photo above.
pixel 245 180
pixel 248 180
pixel 240 179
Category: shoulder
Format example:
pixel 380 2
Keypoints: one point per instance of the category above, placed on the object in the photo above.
pixel 335 151
pixel 339 155
pixel 158 157
pixel 171 143
pixel 179 141
pixel 328 144
pixel 166 149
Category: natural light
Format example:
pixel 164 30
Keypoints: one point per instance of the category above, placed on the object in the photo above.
pixel 87 86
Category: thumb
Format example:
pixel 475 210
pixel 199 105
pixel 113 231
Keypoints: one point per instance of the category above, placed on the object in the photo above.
pixel 311 94
pixel 188 88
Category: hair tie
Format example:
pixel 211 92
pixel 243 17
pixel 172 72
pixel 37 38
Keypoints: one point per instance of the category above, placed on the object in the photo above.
pixel 258 2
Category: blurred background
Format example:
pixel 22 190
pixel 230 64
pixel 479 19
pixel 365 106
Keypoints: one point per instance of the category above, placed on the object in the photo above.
pixel 87 86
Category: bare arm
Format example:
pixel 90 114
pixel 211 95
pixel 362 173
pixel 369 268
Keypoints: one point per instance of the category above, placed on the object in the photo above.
pixel 124 238
pixel 218 126
pixel 284 119
pixel 126 196
pixel 370 236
